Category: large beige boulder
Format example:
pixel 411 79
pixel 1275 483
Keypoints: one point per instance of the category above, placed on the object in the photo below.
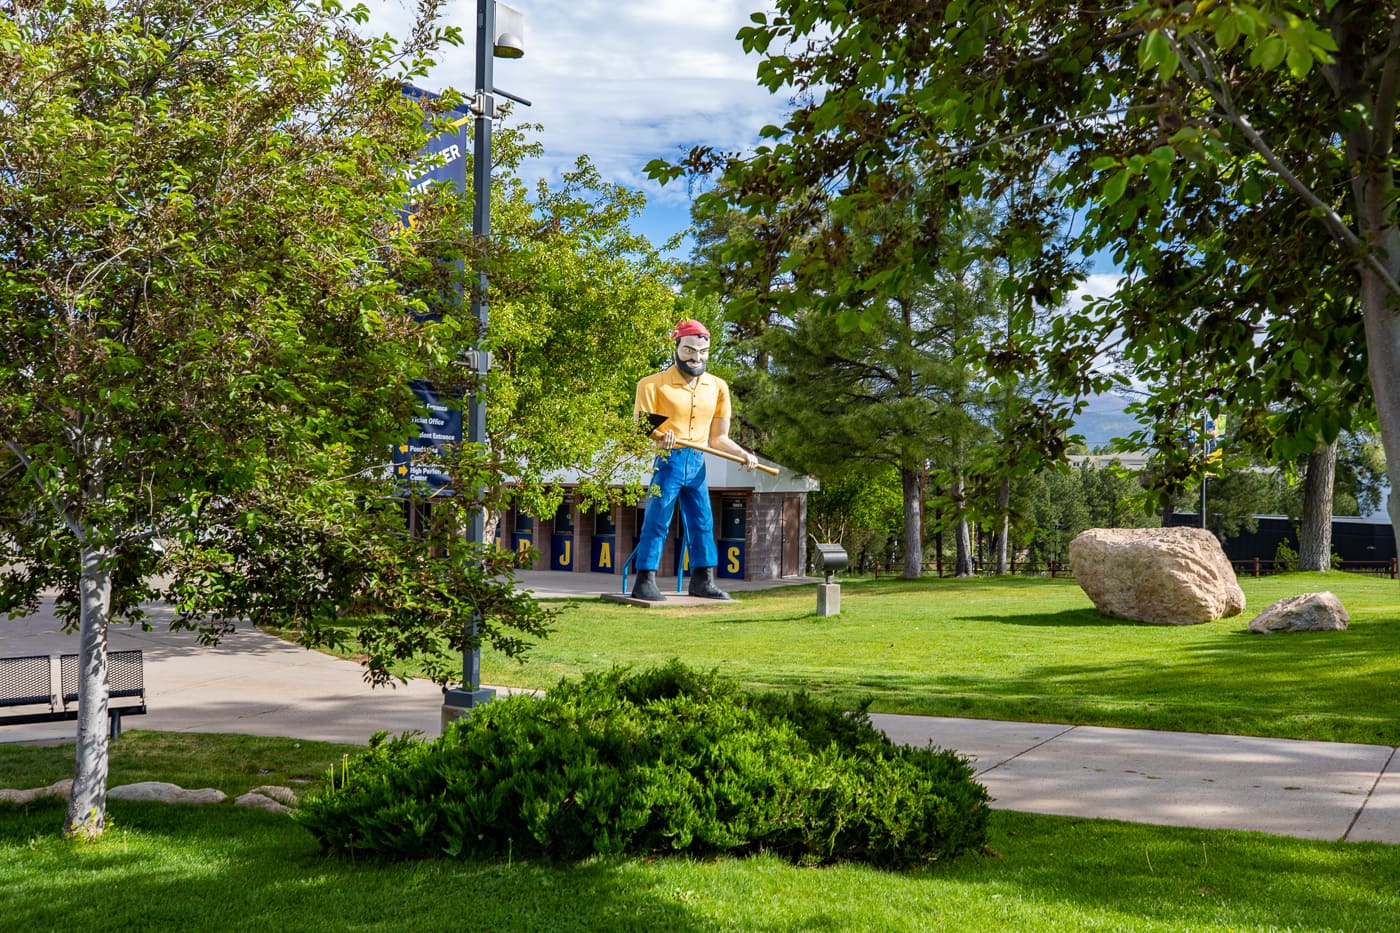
pixel 1170 576
pixel 1310 612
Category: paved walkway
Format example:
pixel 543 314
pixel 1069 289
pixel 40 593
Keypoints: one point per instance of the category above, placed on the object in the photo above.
pixel 258 685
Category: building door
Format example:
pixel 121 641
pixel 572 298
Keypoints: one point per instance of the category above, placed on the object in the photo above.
pixel 792 536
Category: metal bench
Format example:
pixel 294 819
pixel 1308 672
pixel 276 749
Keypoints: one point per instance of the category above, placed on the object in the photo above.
pixel 27 692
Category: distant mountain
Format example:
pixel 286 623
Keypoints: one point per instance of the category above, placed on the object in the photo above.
pixel 1104 419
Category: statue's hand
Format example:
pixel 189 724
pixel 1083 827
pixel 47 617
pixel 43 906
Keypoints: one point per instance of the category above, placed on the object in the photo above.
pixel 668 440
pixel 750 461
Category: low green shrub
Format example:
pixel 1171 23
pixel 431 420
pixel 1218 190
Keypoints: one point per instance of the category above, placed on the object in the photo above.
pixel 665 760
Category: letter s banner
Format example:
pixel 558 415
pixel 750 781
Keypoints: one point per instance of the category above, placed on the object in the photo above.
pixel 732 560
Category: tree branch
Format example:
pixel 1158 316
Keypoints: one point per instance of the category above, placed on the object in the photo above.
pixel 1210 83
pixel 1388 89
pixel 74 527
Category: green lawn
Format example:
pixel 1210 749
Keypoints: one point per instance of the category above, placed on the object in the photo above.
pixel 1015 648
pixel 1018 649
pixel 228 869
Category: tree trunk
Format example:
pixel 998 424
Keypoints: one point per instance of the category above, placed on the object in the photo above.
pixel 1004 510
pixel 1369 149
pixel 1315 537
pixel 87 808
pixel 1383 350
pixel 964 548
pixel 491 523
pixel 913 524
pixel 962 536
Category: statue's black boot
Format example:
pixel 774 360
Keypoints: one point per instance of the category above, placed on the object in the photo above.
pixel 702 584
pixel 645 587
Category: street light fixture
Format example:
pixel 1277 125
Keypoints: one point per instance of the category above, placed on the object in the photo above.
pixel 509 41
pixel 500 31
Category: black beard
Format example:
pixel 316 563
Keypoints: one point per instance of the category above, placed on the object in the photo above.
pixel 690 369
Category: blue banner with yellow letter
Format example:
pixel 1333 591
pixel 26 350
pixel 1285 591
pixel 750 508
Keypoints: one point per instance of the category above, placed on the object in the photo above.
pixel 417 465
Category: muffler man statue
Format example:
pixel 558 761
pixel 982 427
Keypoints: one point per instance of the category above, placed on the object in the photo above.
pixel 684 404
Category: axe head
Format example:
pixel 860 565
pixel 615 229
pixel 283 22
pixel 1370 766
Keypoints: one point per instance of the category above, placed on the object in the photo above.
pixel 653 422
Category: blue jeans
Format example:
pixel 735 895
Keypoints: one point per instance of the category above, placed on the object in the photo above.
pixel 680 474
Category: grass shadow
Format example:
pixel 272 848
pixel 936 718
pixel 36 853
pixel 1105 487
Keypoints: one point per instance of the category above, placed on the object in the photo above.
pixel 168 867
pixel 171 868
pixel 1065 618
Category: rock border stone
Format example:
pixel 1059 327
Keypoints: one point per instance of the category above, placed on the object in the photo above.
pixel 271 797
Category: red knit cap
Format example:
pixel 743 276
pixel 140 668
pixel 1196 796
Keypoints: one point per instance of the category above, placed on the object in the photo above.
pixel 689 328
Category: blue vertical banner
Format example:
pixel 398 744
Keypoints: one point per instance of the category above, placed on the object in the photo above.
pixel 1214 427
pixel 417 465
pixel 561 545
pixel 523 538
pixel 603 555
pixel 442 160
pixel 733 532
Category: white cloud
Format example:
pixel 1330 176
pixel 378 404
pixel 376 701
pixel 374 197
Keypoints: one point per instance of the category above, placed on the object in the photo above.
pixel 621 81
pixel 1098 285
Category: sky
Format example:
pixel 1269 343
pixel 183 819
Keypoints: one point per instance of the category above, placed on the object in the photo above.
pixel 624 82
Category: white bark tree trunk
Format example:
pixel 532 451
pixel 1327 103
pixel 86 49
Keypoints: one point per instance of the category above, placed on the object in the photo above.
pixel 964 549
pixel 1004 508
pixel 962 534
pixel 1374 190
pixel 87 808
pixel 491 523
pixel 1383 350
pixel 913 524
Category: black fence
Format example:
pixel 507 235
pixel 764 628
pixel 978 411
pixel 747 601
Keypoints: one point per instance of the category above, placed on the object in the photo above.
pixel 1357 542
pixel 1260 567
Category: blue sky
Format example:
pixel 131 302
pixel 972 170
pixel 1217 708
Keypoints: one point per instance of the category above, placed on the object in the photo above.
pixel 624 82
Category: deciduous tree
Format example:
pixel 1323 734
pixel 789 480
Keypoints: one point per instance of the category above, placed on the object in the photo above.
pixel 206 304
pixel 1223 152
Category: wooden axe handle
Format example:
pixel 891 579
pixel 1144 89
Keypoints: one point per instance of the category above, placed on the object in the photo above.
pixel 772 471
pixel 656 421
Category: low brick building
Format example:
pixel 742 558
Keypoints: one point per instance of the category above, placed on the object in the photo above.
pixel 760 528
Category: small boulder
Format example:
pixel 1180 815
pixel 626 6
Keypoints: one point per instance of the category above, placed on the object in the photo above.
pixel 63 789
pixel 1168 576
pixel 281 794
pixel 163 792
pixel 260 802
pixel 269 797
pixel 1310 612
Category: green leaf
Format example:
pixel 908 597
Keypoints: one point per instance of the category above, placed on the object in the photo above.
pixel 1270 53
pixel 1153 49
pixel 1227 32
pixel 1159 172
pixel 1115 186
pixel 1300 62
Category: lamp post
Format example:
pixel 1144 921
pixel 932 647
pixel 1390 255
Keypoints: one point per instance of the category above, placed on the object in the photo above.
pixel 499 33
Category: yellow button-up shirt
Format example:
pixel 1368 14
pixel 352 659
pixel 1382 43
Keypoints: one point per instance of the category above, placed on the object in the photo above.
pixel 689 411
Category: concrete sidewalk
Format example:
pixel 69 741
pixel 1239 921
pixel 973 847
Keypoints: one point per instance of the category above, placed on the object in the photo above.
pixel 1314 790
pixel 259 685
